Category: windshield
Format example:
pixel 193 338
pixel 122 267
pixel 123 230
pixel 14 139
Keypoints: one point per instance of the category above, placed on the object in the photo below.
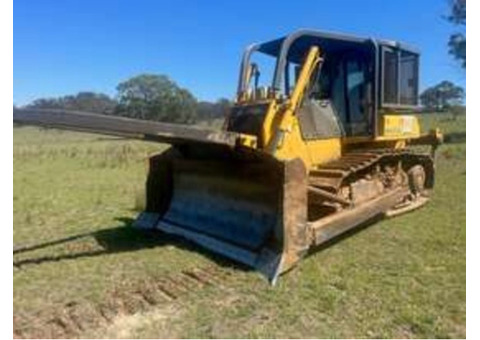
pixel 257 74
pixel 258 71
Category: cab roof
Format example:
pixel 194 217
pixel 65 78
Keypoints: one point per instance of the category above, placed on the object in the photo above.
pixel 330 42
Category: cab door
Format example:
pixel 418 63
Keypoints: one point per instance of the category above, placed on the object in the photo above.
pixel 351 94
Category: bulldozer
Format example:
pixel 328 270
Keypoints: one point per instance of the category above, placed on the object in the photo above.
pixel 321 138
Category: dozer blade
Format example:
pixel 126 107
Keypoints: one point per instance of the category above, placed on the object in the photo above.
pixel 251 209
pixel 241 203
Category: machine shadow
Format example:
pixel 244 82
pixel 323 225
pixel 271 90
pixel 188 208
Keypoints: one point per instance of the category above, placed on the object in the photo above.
pixel 119 239
pixel 125 238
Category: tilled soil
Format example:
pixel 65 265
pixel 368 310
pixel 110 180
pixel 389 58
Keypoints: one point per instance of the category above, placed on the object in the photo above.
pixel 75 317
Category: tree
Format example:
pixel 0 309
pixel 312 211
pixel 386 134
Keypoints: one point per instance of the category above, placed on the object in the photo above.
pixel 457 43
pixel 155 97
pixel 210 111
pixel 442 96
pixel 82 101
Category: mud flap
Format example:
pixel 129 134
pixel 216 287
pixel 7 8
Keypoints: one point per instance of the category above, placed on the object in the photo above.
pixel 253 211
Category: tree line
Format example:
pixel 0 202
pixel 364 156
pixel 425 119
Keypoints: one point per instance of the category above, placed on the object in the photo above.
pixel 146 96
pixel 157 97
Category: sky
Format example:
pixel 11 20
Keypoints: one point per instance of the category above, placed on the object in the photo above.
pixel 63 47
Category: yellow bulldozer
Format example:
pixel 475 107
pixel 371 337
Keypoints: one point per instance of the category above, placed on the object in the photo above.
pixel 318 141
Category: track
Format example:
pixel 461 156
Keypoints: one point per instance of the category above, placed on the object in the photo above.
pixel 350 180
pixel 332 175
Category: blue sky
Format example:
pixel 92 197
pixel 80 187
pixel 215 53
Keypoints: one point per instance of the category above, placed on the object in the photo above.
pixel 62 47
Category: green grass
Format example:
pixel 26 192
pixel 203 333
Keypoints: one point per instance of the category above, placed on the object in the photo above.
pixel 447 123
pixel 68 184
pixel 402 277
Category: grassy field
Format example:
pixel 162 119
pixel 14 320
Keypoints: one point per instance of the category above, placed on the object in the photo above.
pixel 80 270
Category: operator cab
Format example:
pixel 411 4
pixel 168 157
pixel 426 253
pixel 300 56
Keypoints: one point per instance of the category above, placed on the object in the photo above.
pixel 357 79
